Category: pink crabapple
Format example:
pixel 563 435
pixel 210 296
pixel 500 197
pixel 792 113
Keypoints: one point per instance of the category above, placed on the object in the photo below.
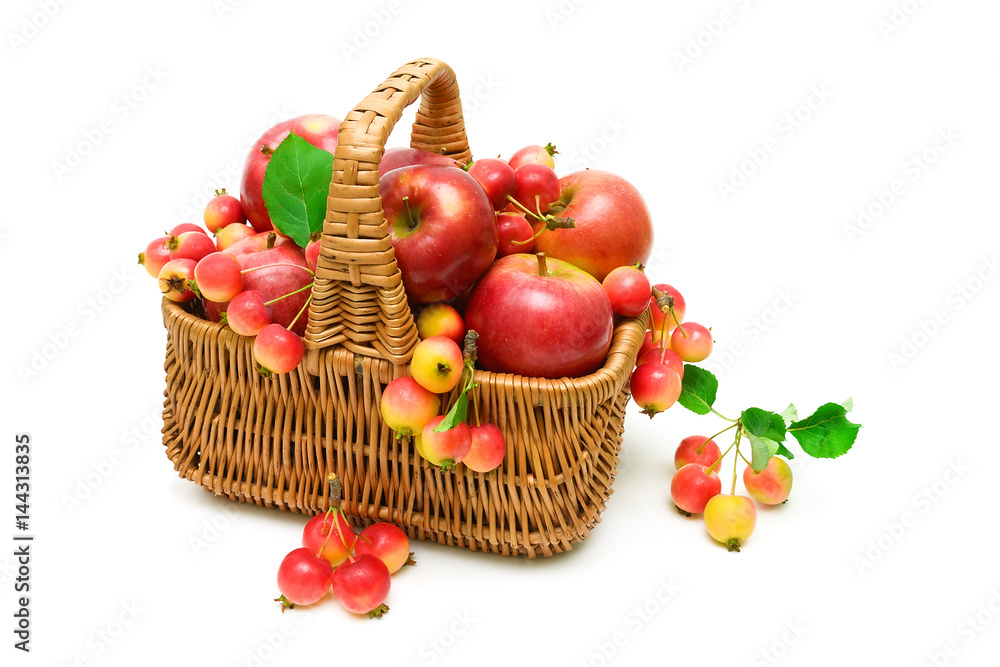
pixel 386 542
pixel 693 486
pixel 629 289
pixel 303 578
pixel 687 452
pixel 155 256
pixel 218 277
pixel 487 450
pixel 771 485
pixel 191 245
pixel 446 448
pixel 655 387
pixel 277 350
pixel 174 279
pixel 247 313
pixel 329 536
pixel 407 407
pixel 692 342
pixel 361 585
pixel 224 209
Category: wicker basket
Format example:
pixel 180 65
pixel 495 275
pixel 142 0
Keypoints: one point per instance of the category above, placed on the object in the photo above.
pixel 273 441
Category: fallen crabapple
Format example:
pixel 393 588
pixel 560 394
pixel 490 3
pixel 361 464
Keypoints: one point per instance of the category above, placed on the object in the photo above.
pixel 174 278
pixel 303 578
pixel 628 288
pixel 223 210
pixel 516 234
pixel 232 234
pixel 693 486
pixel 218 277
pixel 688 452
pixel 655 387
pixel 771 485
pixel 437 364
pixel 186 227
pixel 155 256
pixel 190 245
pixel 691 341
pixel 496 177
pixel 330 536
pixel 445 448
pixel 407 407
pixel 730 519
pixel 277 350
pixel 487 449
pixel 534 154
pixel 387 542
pixel 440 319
pixel 658 316
pixel 247 313
pixel 361 585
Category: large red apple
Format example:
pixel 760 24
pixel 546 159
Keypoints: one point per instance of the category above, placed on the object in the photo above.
pixel 613 227
pixel 442 226
pixel 394 158
pixel 319 130
pixel 540 317
pixel 289 274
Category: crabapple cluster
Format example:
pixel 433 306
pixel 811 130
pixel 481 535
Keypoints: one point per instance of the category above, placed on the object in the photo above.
pixel 356 566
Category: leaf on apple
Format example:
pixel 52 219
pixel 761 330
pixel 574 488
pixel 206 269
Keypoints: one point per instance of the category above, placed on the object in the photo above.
pixel 766 431
pixel 296 187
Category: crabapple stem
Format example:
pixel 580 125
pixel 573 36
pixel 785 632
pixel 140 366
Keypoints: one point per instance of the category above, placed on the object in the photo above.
pixel 721 456
pixel 271 266
pixel 272 238
pixel 301 310
pixel 736 461
pixel 707 440
pixel 336 489
pixel 285 296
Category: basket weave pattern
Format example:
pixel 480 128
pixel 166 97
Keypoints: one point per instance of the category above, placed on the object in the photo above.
pixel 273 441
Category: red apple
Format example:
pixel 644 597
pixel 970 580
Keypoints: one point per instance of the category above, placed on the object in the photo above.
pixel 540 317
pixel 395 158
pixel 319 130
pixel 613 227
pixel 285 272
pixel 442 226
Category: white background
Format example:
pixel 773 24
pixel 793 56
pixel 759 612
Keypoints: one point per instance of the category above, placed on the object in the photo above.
pixel 880 557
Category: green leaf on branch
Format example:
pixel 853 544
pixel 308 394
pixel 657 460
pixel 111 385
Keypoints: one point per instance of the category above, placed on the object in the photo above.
pixel 698 390
pixel 456 415
pixel 296 187
pixel 826 433
pixel 766 431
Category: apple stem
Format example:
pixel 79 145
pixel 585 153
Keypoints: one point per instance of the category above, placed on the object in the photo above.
pixel 542 268
pixel 266 150
pixel 270 266
pixel 285 296
pixel 219 193
pixel 301 310
pixel 271 240
pixel 410 221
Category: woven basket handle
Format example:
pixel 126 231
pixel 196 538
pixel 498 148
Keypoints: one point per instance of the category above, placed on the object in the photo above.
pixel 357 298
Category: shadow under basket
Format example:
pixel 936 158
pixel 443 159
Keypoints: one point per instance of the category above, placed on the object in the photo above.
pixel 273 441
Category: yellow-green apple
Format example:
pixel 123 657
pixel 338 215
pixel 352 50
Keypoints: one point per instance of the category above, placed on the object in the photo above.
pixel 436 364
pixel 319 130
pixel 442 227
pixel 541 317
pixel 175 279
pixel 231 234
pixel 771 485
pixel 613 227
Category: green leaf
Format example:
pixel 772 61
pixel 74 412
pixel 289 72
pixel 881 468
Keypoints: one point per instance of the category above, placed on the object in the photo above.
pixel 698 390
pixel 296 187
pixel 790 414
pixel 784 451
pixel 766 431
pixel 826 433
pixel 456 415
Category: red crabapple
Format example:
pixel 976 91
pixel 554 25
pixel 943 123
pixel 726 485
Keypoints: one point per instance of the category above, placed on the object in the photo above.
pixel 190 245
pixel 218 277
pixel 247 313
pixel 407 407
pixel 174 279
pixel 487 449
pixel 223 210
pixel 514 227
pixel 232 234
pixel 668 357
pixel 692 342
pixel 628 288
pixel 687 452
pixel 445 448
pixel 329 536
pixel 537 187
pixel 361 585
pixel 303 578
pixel 656 323
pixel 655 387
pixel 497 179
pixel 311 252
pixel 155 256
pixel 693 486
pixel 771 485
pixel 534 154
pixel 277 350
pixel 386 542
pixel 186 227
